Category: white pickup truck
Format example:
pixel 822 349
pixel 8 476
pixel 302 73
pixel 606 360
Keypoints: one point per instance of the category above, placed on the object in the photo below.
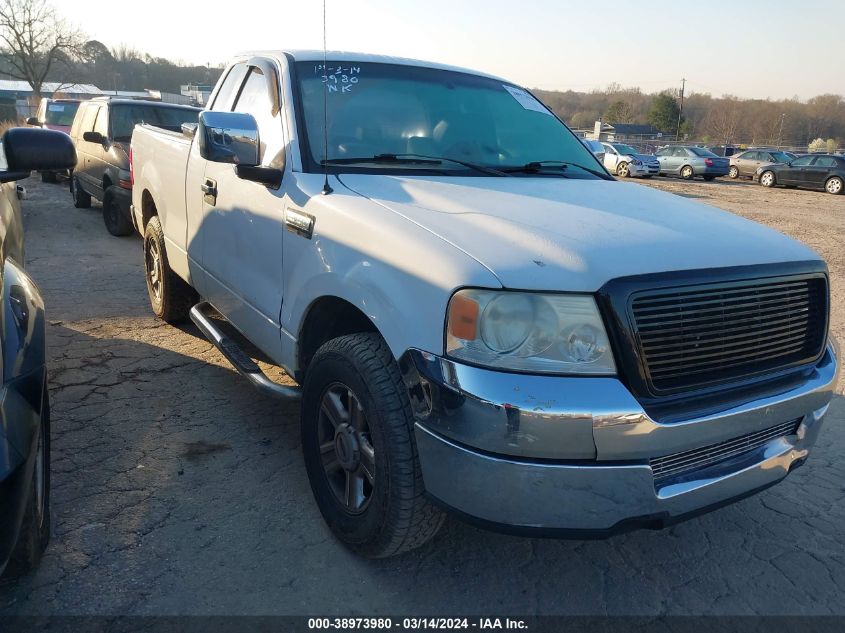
pixel 482 319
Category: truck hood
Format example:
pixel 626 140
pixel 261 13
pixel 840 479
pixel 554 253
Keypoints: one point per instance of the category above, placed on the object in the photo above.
pixel 559 234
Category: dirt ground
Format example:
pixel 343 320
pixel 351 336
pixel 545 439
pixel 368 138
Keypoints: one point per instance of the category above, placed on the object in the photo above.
pixel 177 489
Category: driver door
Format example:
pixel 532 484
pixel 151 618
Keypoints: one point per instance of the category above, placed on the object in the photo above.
pixel 243 227
pixel 611 158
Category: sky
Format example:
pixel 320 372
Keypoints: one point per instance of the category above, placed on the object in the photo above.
pixel 748 48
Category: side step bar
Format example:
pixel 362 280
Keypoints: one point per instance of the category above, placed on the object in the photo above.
pixel 239 359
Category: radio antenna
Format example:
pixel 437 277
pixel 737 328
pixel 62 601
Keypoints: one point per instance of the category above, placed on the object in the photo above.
pixel 326 187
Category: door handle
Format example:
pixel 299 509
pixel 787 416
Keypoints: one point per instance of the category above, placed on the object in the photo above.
pixel 209 189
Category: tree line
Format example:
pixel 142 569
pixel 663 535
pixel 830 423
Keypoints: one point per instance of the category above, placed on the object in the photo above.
pixel 718 120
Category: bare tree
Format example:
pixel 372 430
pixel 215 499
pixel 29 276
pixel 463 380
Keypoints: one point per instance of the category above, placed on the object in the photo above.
pixel 36 40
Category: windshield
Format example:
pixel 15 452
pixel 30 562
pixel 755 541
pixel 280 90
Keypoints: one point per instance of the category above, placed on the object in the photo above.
pixel 701 151
pixel 624 149
pixel 61 113
pixel 377 109
pixel 782 157
pixel 123 118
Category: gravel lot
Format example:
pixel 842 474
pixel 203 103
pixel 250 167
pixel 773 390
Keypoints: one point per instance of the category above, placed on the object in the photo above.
pixel 179 490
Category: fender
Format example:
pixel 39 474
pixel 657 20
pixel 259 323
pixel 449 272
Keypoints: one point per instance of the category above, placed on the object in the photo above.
pixel 22 327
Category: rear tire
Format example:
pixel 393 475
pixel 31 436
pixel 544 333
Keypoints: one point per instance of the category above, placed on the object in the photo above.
pixel 35 529
pixel 734 172
pixel 171 298
pixel 767 179
pixel 834 185
pixel 116 218
pixel 49 176
pixel 355 403
pixel 81 199
pixel 687 172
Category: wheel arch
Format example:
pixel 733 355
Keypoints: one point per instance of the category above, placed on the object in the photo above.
pixel 327 317
pixel 148 209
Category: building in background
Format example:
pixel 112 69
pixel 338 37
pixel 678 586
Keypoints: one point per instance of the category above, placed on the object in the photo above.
pixel 16 97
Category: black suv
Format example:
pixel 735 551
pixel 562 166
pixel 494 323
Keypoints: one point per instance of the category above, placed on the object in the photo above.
pixel 101 131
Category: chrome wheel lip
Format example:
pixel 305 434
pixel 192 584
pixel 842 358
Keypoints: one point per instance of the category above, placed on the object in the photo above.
pixel 346 451
pixel 40 481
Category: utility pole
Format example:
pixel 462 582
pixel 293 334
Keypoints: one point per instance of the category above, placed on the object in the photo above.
pixel 780 135
pixel 681 110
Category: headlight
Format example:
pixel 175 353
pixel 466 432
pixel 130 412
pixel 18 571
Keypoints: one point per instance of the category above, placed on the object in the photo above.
pixel 548 333
pixel 636 161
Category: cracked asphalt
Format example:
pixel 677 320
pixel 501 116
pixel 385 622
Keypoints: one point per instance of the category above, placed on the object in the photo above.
pixel 177 489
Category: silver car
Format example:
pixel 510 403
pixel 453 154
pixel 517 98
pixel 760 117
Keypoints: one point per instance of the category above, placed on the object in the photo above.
pixel 745 165
pixel 688 162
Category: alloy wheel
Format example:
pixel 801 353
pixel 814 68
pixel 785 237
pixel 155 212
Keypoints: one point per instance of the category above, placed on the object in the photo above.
pixel 155 272
pixel 734 172
pixel 834 185
pixel 346 449
pixel 622 170
pixel 767 179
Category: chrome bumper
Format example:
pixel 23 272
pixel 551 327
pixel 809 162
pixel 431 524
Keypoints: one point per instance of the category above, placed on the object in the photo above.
pixel 572 454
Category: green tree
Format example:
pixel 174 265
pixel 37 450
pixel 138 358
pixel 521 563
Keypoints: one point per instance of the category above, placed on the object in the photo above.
pixel 663 113
pixel 619 112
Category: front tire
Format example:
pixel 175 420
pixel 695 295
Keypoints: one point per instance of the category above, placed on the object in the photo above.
pixel 171 297
pixel 360 451
pixel 834 185
pixel 115 217
pixel 81 199
pixel 687 173
pixel 35 529
pixel 622 170
pixel 734 172
pixel 767 179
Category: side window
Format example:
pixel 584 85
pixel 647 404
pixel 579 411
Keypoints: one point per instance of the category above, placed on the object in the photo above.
pixel 101 125
pixel 679 152
pixel 663 152
pixel 803 161
pixel 87 124
pixel 751 156
pixel 607 148
pixel 255 100
pixel 825 161
pixel 229 89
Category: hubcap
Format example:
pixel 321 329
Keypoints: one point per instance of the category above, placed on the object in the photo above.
pixel 734 172
pixel 767 179
pixel 154 268
pixel 346 450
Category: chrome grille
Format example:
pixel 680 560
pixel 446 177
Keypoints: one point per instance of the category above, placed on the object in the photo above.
pixel 696 336
pixel 678 464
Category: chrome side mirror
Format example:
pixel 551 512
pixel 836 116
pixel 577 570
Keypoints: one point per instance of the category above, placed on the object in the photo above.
pixel 229 137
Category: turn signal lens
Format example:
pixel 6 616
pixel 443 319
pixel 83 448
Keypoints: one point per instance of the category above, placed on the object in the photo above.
pixel 463 318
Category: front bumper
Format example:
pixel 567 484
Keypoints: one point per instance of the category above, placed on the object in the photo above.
pixel 571 455
pixel 645 169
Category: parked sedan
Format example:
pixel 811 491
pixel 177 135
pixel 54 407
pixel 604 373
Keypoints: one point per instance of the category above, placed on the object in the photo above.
pixel 688 162
pixel 745 165
pixel 623 160
pixel 815 171
pixel 24 403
